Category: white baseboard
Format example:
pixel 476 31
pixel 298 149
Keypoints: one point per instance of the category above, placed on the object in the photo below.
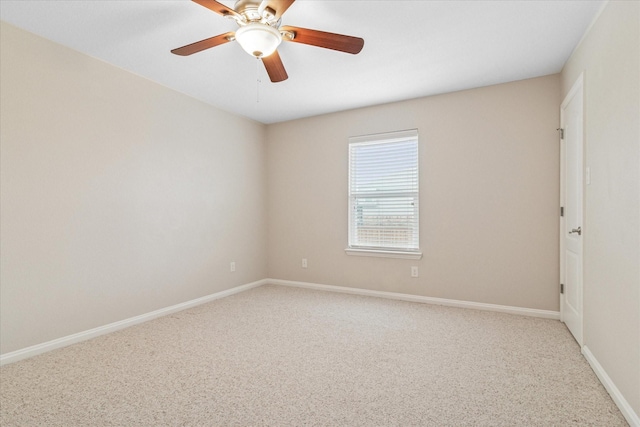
pixel 112 327
pixel 34 350
pixel 547 314
pixel 628 412
pixel 626 409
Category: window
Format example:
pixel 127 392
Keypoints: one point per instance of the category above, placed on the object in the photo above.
pixel 383 195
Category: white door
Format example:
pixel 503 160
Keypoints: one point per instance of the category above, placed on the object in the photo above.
pixel 571 199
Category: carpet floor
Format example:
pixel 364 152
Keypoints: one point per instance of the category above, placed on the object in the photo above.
pixel 283 356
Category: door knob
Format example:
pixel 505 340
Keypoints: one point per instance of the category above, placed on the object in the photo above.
pixel 576 230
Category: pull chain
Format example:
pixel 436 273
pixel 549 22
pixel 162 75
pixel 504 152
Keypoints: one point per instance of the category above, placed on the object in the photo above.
pixel 258 81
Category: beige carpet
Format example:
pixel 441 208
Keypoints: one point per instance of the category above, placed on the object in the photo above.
pixel 283 356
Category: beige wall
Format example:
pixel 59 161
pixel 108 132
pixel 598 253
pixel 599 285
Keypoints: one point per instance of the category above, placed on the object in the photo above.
pixel 119 196
pixel 489 188
pixel 610 58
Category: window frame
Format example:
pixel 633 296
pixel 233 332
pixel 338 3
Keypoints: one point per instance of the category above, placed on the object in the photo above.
pixel 385 252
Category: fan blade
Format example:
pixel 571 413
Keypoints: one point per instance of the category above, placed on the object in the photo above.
pixel 275 67
pixel 204 44
pixel 280 6
pixel 217 7
pixel 333 41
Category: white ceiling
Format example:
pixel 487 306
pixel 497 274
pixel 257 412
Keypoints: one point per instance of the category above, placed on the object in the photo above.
pixel 412 48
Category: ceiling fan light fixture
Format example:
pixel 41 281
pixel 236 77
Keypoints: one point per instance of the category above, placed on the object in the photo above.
pixel 258 40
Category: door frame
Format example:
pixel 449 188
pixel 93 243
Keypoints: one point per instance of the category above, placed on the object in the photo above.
pixel 578 85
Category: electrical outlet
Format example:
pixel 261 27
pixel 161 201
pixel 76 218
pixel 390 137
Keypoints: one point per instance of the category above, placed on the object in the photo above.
pixel 304 263
pixel 233 266
pixel 414 271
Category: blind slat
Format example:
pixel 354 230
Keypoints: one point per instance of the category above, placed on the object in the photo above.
pixel 383 192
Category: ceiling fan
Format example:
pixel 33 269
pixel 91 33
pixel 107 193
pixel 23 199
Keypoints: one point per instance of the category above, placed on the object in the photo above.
pixel 260 33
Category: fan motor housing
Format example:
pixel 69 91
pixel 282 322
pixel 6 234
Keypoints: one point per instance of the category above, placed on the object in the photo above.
pixel 249 9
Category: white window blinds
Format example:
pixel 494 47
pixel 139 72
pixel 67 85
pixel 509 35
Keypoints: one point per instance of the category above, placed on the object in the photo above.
pixel 383 191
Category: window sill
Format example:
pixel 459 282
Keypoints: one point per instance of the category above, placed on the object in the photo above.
pixel 383 254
